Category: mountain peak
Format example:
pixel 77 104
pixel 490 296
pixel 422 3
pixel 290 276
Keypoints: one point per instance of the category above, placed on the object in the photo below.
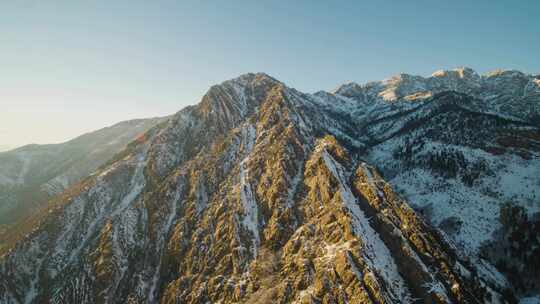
pixel 242 89
pixel 348 89
pixel 248 79
pixel 505 73
pixel 461 72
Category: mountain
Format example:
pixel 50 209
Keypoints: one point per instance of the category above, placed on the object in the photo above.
pixel 510 93
pixel 4 148
pixel 390 192
pixel 30 175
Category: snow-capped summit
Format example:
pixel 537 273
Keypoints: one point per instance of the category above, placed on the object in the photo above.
pixel 504 92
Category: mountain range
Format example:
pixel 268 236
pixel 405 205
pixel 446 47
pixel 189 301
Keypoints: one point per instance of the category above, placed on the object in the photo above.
pixel 407 190
pixel 32 174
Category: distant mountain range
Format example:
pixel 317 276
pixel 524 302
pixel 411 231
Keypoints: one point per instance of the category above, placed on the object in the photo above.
pixel 407 190
pixel 32 174
pixel 4 148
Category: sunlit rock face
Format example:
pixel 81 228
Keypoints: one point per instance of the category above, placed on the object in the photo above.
pixel 379 193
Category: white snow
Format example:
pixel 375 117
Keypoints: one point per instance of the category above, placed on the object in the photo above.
pixel 160 244
pixel 4 180
pixel 56 185
pixel 438 288
pixel 26 159
pixel 514 179
pixel 530 300
pixel 330 250
pixel 308 292
pixel 489 273
pixel 250 220
pixel 241 98
pixel 137 183
pixel 33 289
pixel 377 254
pixel 201 197
pixel 249 203
pixel 294 182
pixel 84 216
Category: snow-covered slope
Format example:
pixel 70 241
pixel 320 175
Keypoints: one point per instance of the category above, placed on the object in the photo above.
pixel 30 175
pixel 507 93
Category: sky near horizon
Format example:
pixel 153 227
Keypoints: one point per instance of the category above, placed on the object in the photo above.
pixel 70 67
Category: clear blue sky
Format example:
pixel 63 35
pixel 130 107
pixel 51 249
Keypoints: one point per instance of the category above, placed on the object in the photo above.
pixel 68 67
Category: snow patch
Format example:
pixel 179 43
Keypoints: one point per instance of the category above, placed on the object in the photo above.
pixel 249 203
pixel 25 167
pixel 530 300
pixel 378 256
pixel 160 244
